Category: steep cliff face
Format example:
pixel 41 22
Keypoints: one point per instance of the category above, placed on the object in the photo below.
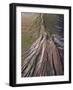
pixel 45 55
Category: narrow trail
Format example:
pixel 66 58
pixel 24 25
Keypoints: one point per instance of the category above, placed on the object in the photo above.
pixel 44 57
